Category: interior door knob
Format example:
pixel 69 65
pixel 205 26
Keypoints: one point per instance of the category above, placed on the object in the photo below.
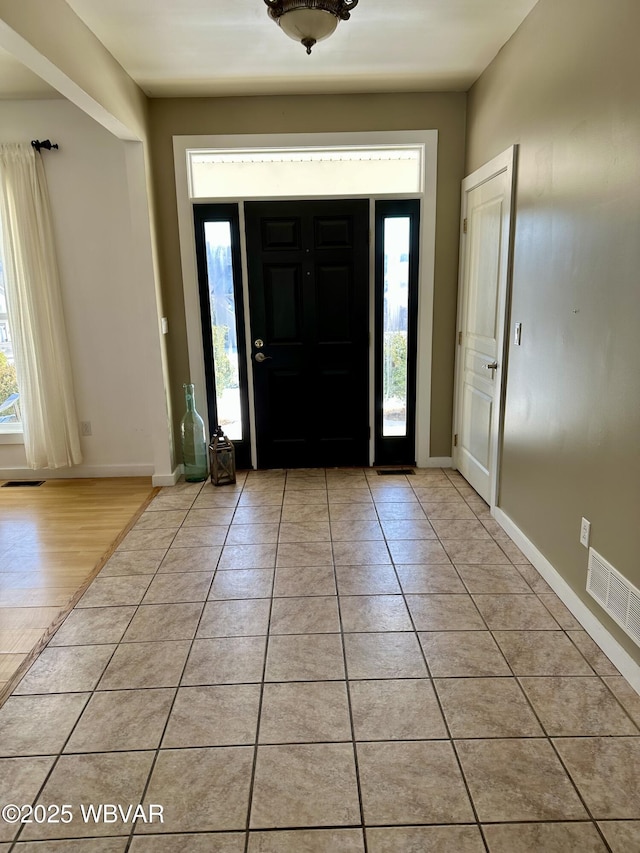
pixel 492 366
pixel 260 357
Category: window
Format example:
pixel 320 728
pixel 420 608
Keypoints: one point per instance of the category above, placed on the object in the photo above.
pixel 222 311
pixel 218 254
pixel 397 229
pixel 31 281
pixel 395 324
pixel 273 172
pixel 10 420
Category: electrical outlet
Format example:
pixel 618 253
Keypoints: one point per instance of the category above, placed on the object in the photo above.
pixel 585 532
pixel 85 427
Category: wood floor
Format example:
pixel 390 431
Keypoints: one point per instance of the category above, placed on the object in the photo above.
pixel 53 540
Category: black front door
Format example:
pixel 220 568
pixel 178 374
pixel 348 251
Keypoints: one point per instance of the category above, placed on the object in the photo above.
pixel 308 268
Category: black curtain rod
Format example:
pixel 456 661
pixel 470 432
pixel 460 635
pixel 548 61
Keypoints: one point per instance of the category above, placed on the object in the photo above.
pixel 46 143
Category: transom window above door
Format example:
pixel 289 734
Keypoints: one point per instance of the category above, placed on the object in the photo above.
pixel 280 172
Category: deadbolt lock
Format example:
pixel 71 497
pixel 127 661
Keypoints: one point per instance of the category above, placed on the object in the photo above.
pixel 259 343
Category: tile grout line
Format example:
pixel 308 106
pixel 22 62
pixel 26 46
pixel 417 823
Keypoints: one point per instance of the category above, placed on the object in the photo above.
pixel 175 690
pixel 520 687
pixel 517 679
pixel 180 677
pixel 261 696
pixel 565 631
pixel 449 738
pixel 547 737
pixel 90 692
pixel 579 794
pixel 60 753
pixel 348 691
pixel 441 709
pixel 543 729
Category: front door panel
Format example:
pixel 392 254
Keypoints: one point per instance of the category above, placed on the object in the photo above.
pixel 308 294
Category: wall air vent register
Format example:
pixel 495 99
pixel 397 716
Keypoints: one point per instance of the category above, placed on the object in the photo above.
pixel 619 598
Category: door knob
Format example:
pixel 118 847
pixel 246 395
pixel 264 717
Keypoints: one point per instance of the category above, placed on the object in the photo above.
pixel 492 366
pixel 260 357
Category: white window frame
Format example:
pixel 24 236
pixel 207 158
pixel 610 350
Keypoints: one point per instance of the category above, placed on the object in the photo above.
pixel 428 195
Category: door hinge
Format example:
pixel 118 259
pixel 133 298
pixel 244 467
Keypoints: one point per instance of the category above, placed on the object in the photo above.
pixel 369 433
pixel 455 440
pixel 459 338
pixel 464 225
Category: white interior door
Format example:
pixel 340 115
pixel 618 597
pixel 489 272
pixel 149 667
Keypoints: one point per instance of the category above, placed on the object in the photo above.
pixel 484 277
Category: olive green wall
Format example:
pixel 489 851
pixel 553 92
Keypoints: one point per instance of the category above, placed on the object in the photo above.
pixel 565 88
pixel 319 114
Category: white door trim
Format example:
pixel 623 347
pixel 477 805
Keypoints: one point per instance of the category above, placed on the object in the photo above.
pixel 428 138
pixel 503 163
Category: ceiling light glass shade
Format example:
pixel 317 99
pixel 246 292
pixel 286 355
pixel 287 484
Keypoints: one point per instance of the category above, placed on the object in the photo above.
pixel 308 24
pixel 310 21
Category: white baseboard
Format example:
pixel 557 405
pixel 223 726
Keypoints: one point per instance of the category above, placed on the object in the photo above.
pixel 167 479
pixel 92 472
pixel 77 472
pixel 438 462
pixel 591 624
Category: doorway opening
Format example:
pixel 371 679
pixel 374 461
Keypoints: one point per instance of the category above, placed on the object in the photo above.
pixel 328 154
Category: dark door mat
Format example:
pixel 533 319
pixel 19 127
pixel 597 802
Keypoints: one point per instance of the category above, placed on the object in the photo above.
pixel 22 483
pixel 383 472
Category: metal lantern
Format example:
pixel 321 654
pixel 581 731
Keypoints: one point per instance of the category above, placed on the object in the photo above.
pixel 222 459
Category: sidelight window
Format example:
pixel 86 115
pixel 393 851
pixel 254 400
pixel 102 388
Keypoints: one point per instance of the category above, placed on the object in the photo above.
pixel 218 255
pixel 395 324
pixel 222 314
pixel 397 228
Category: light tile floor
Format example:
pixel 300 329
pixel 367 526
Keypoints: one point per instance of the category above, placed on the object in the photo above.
pixel 323 662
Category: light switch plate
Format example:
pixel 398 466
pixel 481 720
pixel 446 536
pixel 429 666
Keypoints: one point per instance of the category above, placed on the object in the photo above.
pixel 585 532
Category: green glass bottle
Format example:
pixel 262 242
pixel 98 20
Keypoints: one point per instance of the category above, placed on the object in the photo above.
pixel 194 443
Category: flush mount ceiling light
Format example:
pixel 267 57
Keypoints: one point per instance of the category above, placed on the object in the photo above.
pixel 309 21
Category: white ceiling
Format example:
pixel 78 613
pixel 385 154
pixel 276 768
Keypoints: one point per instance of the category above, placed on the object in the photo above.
pixel 179 48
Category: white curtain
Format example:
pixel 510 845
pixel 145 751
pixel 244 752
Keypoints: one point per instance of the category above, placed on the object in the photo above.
pixel 34 307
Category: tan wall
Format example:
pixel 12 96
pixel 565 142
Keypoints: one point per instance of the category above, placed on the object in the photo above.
pixel 566 89
pixel 51 40
pixel 446 113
